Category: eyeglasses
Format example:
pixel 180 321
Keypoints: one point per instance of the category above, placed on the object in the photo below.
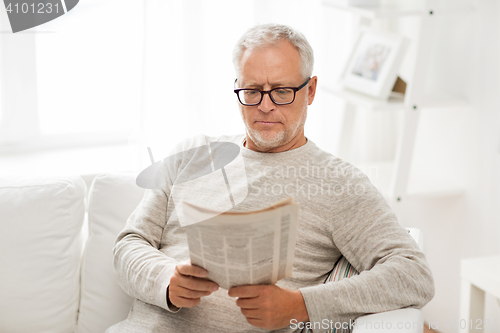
pixel 279 96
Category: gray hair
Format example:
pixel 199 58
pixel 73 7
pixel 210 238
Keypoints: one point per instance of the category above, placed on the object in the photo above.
pixel 270 35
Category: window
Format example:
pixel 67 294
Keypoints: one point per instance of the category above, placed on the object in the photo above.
pixel 75 79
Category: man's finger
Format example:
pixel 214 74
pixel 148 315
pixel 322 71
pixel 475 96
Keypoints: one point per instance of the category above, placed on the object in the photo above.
pixel 193 283
pixel 248 303
pixel 191 270
pixel 197 284
pixel 245 291
pixel 251 314
pixel 189 293
pixel 182 302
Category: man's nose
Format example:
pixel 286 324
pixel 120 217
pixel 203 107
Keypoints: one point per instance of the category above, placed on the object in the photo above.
pixel 267 104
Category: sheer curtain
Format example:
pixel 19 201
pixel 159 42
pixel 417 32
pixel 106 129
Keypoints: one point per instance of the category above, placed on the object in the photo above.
pixel 188 71
pixel 73 81
pixel 88 70
pixel 152 73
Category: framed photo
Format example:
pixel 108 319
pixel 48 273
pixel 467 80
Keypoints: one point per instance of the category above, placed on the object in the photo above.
pixel 369 3
pixel 372 67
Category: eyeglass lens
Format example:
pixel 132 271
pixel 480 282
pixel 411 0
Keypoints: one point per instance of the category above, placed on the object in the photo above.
pixel 279 96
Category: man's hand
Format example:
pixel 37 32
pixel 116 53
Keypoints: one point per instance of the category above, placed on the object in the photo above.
pixel 188 285
pixel 269 306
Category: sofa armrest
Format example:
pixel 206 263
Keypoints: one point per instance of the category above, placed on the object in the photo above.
pixel 403 320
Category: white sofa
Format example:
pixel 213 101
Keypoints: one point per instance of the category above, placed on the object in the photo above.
pixel 56 256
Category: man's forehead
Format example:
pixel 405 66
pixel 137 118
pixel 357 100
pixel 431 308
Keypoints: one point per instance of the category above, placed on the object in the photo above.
pixel 273 83
pixel 275 65
pixel 277 78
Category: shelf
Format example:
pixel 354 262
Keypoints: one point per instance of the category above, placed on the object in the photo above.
pixel 420 185
pixel 398 8
pixel 483 272
pixel 365 101
pixel 395 102
pixel 408 183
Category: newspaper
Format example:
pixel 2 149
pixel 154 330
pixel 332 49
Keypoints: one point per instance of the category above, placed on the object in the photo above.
pixel 243 248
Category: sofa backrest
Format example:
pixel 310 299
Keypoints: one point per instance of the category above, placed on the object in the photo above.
pixel 112 199
pixel 43 285
pixel 40 250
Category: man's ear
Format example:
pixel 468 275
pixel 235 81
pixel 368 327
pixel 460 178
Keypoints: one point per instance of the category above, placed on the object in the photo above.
pixel 311 89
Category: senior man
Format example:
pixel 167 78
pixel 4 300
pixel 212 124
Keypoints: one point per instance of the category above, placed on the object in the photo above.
pixel 345 215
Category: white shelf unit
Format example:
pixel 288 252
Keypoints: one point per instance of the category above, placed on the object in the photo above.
pixel 365 101
pixel 419 185
pixel 479 276
pixel 400 8
pixel 394 178
pixel 395 102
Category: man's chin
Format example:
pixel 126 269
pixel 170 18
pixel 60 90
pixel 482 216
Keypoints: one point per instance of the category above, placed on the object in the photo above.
pixel 267 142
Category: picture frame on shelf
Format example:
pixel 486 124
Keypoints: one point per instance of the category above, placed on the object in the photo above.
pixel 370 3
pixel 373 64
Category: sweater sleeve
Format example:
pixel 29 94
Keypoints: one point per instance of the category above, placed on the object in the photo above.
pixel 394 273
pixel 141 269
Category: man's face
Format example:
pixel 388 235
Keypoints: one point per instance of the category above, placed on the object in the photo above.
pixel 271 127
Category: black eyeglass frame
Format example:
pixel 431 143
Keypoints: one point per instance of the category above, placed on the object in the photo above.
pixel 262 93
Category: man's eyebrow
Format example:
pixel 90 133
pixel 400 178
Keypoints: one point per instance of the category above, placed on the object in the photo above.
pixel 273 85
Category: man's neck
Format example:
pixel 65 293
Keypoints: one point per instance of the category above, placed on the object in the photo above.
pixel 298 141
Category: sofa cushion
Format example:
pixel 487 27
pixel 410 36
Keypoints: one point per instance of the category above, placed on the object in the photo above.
pixel 112 199
pixel 40 250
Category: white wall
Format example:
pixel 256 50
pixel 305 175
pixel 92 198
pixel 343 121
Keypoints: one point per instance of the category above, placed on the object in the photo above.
pixel 467 62
pixel 462 144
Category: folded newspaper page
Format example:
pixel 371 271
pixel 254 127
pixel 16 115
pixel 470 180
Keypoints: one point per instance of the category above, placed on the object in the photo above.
pixel 243 248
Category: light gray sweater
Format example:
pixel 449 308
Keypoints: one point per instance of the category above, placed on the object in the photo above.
pixel 340 213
